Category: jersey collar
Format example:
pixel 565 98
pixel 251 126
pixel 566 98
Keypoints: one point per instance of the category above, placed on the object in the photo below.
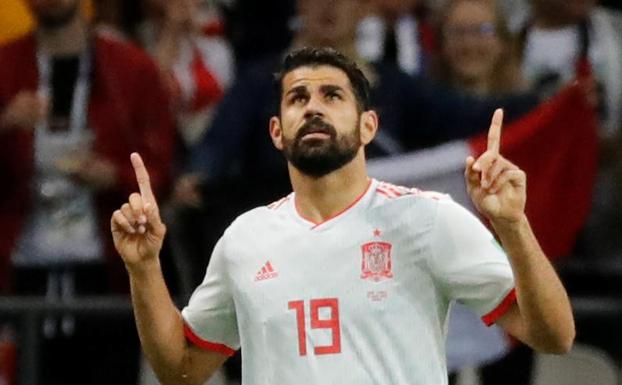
pixel 358 201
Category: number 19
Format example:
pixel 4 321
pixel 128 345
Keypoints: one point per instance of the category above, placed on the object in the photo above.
pixel 317 323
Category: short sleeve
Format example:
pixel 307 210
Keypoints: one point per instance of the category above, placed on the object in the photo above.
pixel 209 318
pixel 468 263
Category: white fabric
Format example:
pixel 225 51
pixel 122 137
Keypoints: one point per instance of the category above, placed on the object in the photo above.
pixel 391 325
pixel 62 225
pixel 552 51
pixel 556 51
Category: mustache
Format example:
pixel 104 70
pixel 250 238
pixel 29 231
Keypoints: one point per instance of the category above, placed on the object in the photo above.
pixel 316 124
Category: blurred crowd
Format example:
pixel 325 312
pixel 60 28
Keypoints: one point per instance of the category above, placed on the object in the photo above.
pixel 189 85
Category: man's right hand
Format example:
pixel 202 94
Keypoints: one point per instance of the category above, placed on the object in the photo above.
pixel 137 230
pixel 25 111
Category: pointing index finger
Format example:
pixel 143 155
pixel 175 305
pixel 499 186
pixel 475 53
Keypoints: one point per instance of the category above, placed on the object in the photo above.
pixel 494 133
pixel 142 177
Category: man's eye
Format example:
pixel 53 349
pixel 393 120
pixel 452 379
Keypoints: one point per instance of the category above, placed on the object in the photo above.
pixel 333 96
pixel 299 99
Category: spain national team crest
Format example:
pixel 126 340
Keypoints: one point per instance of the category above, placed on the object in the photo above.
pixel 376 264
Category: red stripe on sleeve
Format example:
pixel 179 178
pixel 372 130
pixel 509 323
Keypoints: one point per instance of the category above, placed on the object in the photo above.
pixel 203 344
pixel 501 309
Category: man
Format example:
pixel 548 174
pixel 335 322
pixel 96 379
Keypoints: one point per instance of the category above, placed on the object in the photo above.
pixel 347 279
pixel 236 155
pixel 72 103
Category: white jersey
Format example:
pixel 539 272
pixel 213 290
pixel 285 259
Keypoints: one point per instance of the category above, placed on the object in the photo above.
pixel 361 298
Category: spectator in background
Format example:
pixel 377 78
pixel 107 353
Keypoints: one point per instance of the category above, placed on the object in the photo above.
pixel 196 64
pixel 396 32
pixel 557 38
pixel 477 52
pixel 72 106
pixel 558 34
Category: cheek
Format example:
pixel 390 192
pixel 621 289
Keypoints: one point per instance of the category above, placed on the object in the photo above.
pixel 346 120
pixel 287 116
pixel 451 51
pixel 480 52
pixel 494 50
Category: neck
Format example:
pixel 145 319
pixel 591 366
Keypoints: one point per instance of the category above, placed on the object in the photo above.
pixel 69 39
pixel 474 86
pixel 319 199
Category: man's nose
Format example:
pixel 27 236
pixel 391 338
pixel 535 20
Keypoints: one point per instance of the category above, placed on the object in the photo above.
pixel 314 108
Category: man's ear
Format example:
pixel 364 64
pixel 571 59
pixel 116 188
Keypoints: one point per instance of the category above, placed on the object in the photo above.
pixel 369 126
pixel 276 133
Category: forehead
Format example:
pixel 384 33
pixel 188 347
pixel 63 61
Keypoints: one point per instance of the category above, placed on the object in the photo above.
pixel 470 11
pixel 310 76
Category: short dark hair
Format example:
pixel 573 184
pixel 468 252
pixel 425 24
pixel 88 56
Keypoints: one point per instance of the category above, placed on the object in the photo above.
pixel 313 57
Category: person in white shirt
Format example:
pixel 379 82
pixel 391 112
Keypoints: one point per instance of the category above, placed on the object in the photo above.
pixel 347 280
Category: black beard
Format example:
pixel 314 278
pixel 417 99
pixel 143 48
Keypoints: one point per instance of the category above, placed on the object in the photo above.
pixel 54 20
pixel 317 158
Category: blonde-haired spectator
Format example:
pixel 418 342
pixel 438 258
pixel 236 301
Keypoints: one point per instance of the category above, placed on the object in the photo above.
pixel 477 52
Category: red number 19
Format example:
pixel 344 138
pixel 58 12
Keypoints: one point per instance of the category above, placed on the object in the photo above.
pixel 317 323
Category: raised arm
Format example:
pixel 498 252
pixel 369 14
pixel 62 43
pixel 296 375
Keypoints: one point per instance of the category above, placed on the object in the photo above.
pixel 138 233
pixel 543 316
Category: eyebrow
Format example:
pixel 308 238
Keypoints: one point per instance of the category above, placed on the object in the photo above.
pixel 297 90
pixel 330 88
pixel 325 89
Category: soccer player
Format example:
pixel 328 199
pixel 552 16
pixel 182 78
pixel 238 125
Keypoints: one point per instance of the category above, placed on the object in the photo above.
pixel 347 280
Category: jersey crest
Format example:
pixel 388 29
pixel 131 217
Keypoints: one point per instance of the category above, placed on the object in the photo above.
pixel 376 264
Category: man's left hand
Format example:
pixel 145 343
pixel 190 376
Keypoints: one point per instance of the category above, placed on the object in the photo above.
pixel 496 186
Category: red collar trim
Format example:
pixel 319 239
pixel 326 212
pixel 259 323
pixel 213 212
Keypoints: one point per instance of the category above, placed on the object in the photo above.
pixel 316 224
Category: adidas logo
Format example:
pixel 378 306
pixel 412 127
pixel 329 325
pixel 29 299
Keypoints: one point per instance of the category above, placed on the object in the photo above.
pixel 266 272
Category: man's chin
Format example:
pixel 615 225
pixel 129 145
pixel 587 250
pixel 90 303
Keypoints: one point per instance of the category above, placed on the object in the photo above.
pixel 314 148
pixel 317 164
